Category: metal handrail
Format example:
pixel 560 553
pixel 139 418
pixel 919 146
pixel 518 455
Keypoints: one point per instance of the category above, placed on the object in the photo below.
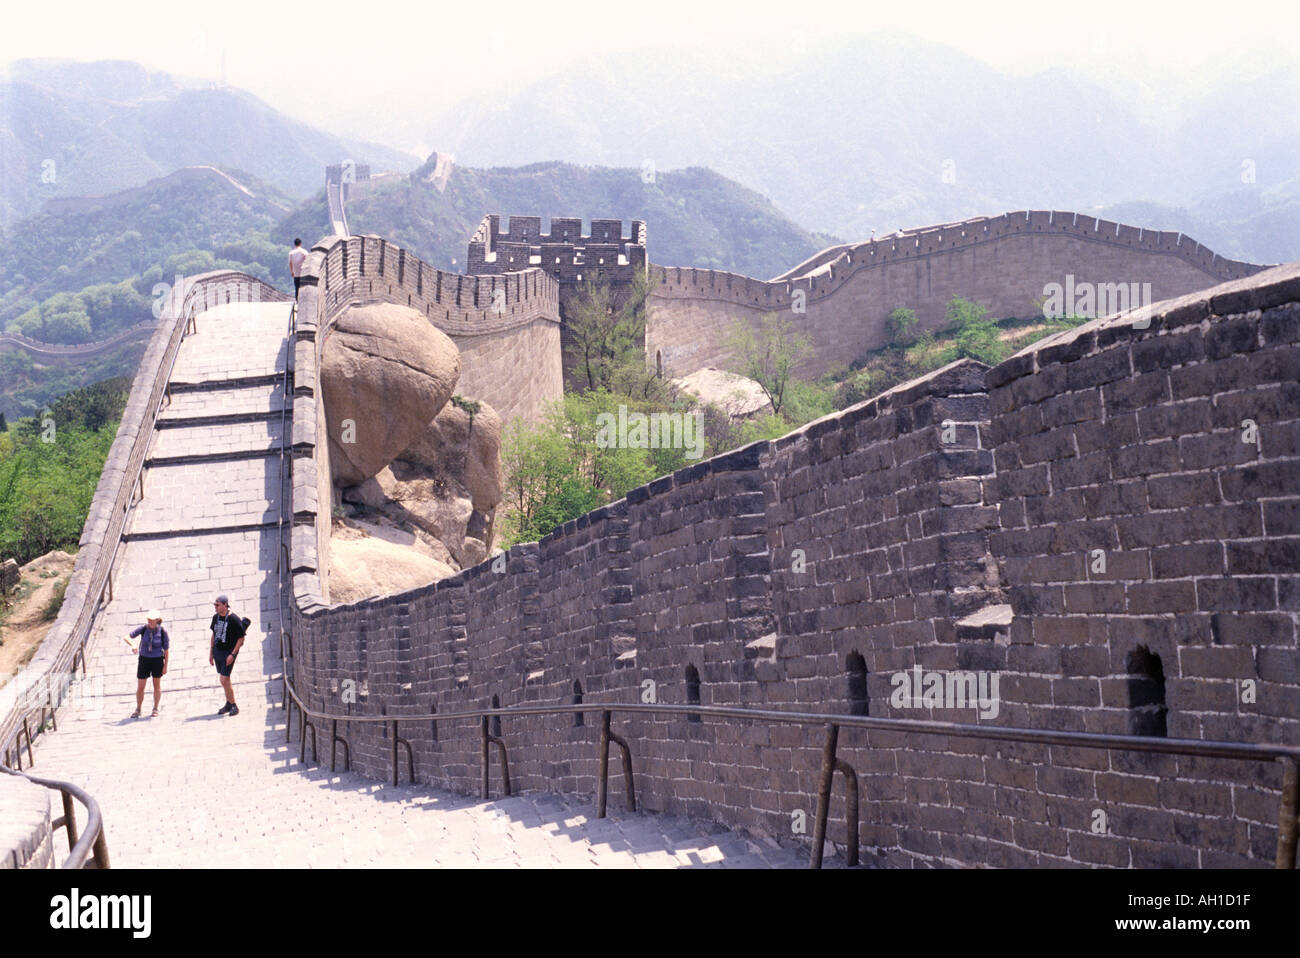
pixel 1289 755
pixel 92 839
pixel 286 400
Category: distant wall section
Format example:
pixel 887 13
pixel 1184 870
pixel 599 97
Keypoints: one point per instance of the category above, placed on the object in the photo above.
pixel 845 293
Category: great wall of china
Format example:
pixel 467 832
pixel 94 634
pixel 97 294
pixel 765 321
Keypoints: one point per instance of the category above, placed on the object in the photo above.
pixel 1093 520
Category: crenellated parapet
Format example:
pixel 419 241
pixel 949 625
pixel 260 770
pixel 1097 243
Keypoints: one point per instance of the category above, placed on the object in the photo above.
pixel 842 295
pixel 565 252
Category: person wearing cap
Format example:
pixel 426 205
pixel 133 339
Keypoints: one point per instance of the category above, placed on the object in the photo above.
pixel 154 651
pixel 227 639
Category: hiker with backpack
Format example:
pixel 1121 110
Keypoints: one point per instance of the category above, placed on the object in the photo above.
pixel 228 631
pixel 154 651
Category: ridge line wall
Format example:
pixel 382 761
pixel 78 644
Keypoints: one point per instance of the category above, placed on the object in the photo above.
pixel 847 291
pixel 902 532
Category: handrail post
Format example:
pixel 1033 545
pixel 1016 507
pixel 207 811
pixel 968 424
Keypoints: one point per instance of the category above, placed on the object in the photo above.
pixel 1287 824
pixel 27 733
pixel 850 809
pixel 484 740
pixel 394 753
pixel 824 793
pixel 101 849
pixel 627 770
pixel 69 819
pixel 602 783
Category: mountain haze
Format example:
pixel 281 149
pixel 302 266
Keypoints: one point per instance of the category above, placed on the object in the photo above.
pixel 890 131
pixel 83 129
pixel 694 217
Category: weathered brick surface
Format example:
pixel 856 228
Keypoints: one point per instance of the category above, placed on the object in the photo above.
pixel 868 535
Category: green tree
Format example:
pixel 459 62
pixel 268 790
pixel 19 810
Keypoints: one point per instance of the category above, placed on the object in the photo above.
pixel 977 335
pixel 769 355
pixel 901 326
pixel 607 333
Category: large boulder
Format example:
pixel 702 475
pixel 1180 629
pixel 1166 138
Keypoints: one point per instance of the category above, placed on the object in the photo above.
pixel 407 494
pixel 736 395
pixel 466 447
pixel 389 371
pixel 363 565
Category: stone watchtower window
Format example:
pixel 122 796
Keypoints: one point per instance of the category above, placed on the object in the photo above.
pixel 857 675
pixel 692 691
pixel 1146 693
pixel 577 700
pixel 496 719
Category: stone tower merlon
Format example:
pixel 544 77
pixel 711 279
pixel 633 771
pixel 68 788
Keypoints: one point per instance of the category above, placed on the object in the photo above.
pixel 360 172
pixel 565 252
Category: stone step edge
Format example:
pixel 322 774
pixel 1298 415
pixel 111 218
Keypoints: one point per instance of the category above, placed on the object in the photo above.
pixel 239 382
pixel 166 421
pixel 236 455
pixel 199 531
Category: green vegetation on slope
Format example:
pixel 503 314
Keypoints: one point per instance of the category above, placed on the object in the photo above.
pixel 50 466
pixel 559 470
pixel 62 272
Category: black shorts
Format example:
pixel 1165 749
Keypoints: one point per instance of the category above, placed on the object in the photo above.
pixel 219 657
pixel 149 667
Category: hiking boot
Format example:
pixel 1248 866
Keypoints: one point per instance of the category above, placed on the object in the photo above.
pixel 234 709
pixel 226 708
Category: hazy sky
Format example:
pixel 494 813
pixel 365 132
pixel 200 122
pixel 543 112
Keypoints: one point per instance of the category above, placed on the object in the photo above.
pixel 332 65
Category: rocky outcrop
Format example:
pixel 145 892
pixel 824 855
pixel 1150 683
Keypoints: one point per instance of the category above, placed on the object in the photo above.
pixel 736 395
pixel 445 486
pixel 368 560
pixel 386 372
pixel 465 445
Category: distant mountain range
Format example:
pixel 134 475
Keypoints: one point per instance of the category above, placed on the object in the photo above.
pixel 889 131
pixel 694 217
pixel 89 129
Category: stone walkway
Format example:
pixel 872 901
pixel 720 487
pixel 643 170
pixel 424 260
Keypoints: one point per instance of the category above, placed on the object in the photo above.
pixel 190 788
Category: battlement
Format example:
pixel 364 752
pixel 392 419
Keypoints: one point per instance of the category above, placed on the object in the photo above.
pixel 347 173
pixel 564 252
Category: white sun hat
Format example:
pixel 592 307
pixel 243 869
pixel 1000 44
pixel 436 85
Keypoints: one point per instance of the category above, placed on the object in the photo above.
pixel 153 614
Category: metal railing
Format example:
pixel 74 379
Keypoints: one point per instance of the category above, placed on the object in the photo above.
pixel 1288 755
pixel 282 561
pixel 91 841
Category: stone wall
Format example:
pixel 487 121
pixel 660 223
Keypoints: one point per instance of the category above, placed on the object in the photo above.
pixel 963 492
pixel 26 831
pixel 846 292
pixel 566 254
pixel 506 326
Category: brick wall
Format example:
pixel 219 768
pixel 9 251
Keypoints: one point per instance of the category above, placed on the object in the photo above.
pixel 1002 263
pixel 963 492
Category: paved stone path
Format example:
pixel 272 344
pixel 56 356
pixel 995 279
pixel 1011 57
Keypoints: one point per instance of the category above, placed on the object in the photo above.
pixel 190 788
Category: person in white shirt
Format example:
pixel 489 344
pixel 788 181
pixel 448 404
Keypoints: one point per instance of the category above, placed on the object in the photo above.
pixel 297 257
